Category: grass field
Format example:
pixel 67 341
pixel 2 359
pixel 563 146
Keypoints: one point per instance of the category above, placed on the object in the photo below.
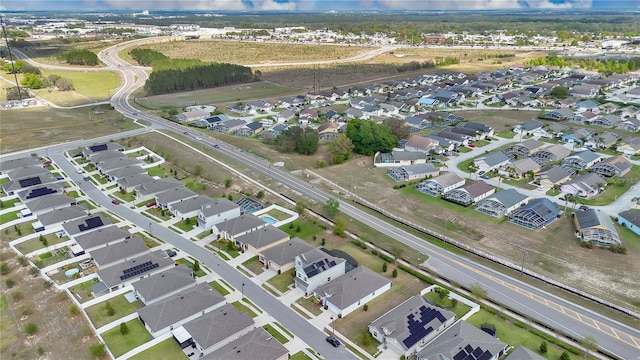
pixel 95 85
pixel 276 334
pixel 121 343
pixel 282 281
pixel 30 128
pixel 167 349
pixel 219 288
pixel 241 307
pixel 99 315
pixel 29 246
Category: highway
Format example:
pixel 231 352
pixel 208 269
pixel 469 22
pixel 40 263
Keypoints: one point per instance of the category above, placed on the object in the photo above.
pixel 618 339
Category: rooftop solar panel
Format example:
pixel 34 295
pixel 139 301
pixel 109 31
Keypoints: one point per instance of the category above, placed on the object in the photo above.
pixel 468 349
pixel 460 355
pixel 477 352
pixel 96 148
pixel 485 356
pixel 30 181
pixel 91 223
pixel 40 192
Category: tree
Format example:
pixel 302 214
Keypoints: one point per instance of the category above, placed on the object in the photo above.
pixel 296 139
pixel 590 345
pixel 110 310
pixel 478 291
pixel 339 227
pixel 340 149
pixel 396 251
pixel 560 92
pixel 32 81
pixel 30 329
pixel 97 350
pixel 369 137
pixel 384 266
pixel 398 127
pixel 16 67
pixel 12 93
pixel 196 266
pixel 543 347
pixel 124 329
pixel 394 273
pixel 454 303
pixel 443 293
pixel 73 310
pixel 565 356
pixel 331 208
pixel 300 208
pixel 228 182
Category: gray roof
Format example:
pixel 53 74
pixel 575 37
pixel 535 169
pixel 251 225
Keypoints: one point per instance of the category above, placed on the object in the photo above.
pixel 555 174
pixel 101 236
pixel 25 183
pixel 531 144
pixel 456 338
pixel 49 201
pixel 495 158
pixel 531 125
pixel 286 252
pixel 166 282
pixel 86 224
pixel 64 214
pixel 447 179
pixel 508 197
pixel 586 155
pixel 263 237
pixel 591 179
pixel 526 164
pixel 173 195
pixel 188 205
pixel 558 151
pixel 134 180
pixel 26 172
pixel 120 251
pixel 217 206
pixel 407 155
pixel 7 165
pixel 420 169
pixel 106 155
pixel 157 186
pixel 176 308
pixel 395 323
pixel 111 275
pixel 477 188
pixel 315 259
pixel 97 148
pixel 22 194
pixel 632 216
pixel 258 344
pixel 351 287
pixel 241 224
pixel 522 353
pixel 589 218
pixel 116 163
pixel 220 324
pixel 126 171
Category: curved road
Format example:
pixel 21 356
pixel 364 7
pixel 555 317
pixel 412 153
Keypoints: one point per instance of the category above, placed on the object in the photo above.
pixel 618 339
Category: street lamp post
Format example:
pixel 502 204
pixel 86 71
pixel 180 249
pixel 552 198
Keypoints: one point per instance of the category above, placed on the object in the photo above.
pixel 242 290
pixel 333 326
pixel 150 223
pixel 524 254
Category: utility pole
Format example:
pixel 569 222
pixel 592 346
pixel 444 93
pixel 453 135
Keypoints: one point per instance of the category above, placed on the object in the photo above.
pixel 13 65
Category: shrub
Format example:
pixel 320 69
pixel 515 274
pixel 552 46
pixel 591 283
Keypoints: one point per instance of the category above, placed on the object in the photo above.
pixel 41 350
pixel 454 303
pixel 17 296
pixel 365 307
pixel 4 269
pixel 543 347
pixel 74 310
pixel 25 310
pixel 374 252
pixel 394 273
pixel 386 258
pixel 124 329
pixel 30 328
pixel 417 274
pixel 384 267
pixel 97 350
pixel 9 282
pixel 110 310
pixel 565 356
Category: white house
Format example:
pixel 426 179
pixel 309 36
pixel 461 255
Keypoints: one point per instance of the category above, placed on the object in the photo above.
pixel 217 211
pixel 315 268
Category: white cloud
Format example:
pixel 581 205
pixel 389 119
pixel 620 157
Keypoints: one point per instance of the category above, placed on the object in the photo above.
pixel 474 4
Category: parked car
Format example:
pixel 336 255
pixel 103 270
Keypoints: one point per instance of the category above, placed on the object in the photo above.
pixel 481 172
pixel 333 341
pixel 151 204
pixel 471 145
pixel 216 146
pixel 487 138
pixel 484 177
pixel 79 171
pixel 115 202
pixel 171 253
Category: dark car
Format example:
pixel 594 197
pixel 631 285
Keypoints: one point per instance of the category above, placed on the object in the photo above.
pixel 333 341
pixel 171 253
pixel 115 202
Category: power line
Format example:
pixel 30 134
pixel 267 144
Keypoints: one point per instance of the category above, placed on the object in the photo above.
pixel 13 65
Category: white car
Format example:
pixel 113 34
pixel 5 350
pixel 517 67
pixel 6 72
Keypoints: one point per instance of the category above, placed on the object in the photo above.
pixel 541 188
pixel 79 171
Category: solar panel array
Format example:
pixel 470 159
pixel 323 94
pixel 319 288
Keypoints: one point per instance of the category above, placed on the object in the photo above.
pixel 138 269
pixel 30 181
pixel 42 191
pixel 469 353
pixel 418 328
pixel 91 223
pixel 96 148
pixel 318 267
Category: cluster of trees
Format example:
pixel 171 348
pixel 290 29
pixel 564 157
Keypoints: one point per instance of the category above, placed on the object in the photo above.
pixel 447 61
pixel 173 75
pixel 19 66
pixel 60 83
pixel 37 81
pixel 369 137
pixel 416 65
pixel 81 57
pixel 606 66
pixel 13 94
pixel 296 139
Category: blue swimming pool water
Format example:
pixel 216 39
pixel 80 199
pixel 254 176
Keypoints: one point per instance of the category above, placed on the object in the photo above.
pixel 269 219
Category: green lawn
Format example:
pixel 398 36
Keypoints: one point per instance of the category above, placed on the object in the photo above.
pixel 98 312
pixel 307 229
pixel 466 165
pixel 187 224
pixel 157 212
pixel 311 305
pixel 553 192
pixel 8 203
pixel 481 143
pixel 513 335
pixel 254 265
pixel 275 333
pixel 84 290
pixel 157 171
pixel 97 85
pixel 282 281
pixel 54 256
pixel 615 188
pixel 199 273
pixel 302 313
pixel 243 307
pixel 120 344
pixel 167 349
pixel 507 134
pixel 126 197
pixel 278 214
pixel 300 356
pixel 219 288
pixel 464 149
pixel 445 303
pixel 32 245
pixel 10 216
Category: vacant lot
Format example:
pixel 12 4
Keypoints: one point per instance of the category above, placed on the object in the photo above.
pixel 30 128
pixel 245 53
pixel 94 86
pixel 48 53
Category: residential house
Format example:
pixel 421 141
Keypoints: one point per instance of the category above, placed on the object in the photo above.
pixel 362 102
pixel 168 314
pixel 13 164
pixel 421 144
pixel 629 146
pixel 121 274
pixel 585 185
pixel 164 199
pixel 578 136
pixel 520 168
pixel 390 108
pixel 582 160
pixel 57 217
pixel 501 203
pixel 216 211
pixel 348 292
pixel 315 268
pixel 630 124
pixel 444 145
pixel 87 151
pixel 584 91
pixel 129 183
pixel 410 326
pixel 44 204
pixel 13 186
pixel 554 176
pixel 333 115
pixel 308 115
pixel 413 172
pixel 262 239
pixel 535 215
pixel 471 134
pixel 491 162
pixel 101 237
pixel 587 105
pixel 608 108
pixel 282 257
pixel 238 226
pixel 528 127
pixel 213 330
pixel 149 190
pixel 630 219
pixel 551 153
pixel 469 193
pixel 463 341
pixel 604 140
pixel 399 158
pixel 457 139
pixel 189 116
pixel 260 105
pixel 482 129
pixel 109 165
pixel 166 284
pixel 613 166
pixel 525 148
pixel 608 120
pixel 557 114
pixel 117 174
pixel 352 113
pixel 440 184
pixel 285 115
pixel 328 131
pixel 188 208
pixel 250 129
pixel 85 225
pixel 417 123
pixel 228 126
pixel 583 118
pixel 594 226
pixel 557 129
pixel 119 252
pixel 240 108
pixel 272 132
pixel 26 172
pixel 522 353
pixel 256 344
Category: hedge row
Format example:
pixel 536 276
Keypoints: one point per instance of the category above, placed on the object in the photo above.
pixel 417 274
pixel 548 338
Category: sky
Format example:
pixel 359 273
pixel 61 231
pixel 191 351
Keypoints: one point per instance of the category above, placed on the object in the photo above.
pixel 311 5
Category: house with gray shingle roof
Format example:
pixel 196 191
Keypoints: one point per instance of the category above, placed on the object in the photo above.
pixel 260 240
pixel 116 174
pixel 421 144
pixel 166 198
pixel 215 329
pixel 168 314
pixel 25 172
pixel 108 235
pixel 520 168
pixel 217 211
pixel 525 148
pixel 44 204
pixel 57 217
pixel 582 160
pixel 630 146
pixel 528 127
pixel 556 175
pixel 105 166
pixel 460 341
pixel 13 164
pixel 190 207
pixel 410 326
pixel 348 292
pixel 148 190
pixel 585 185
pixel 630 219
pixel 613 166
pixel 501 203
pixel 162 285
pixel 40 190
pixel 121 274
pixel 413 172
pixel 85 225
pixel 238 226
pixel 99 156
pixel 257 344
pixel 281 257
pixel 596 227
pixel 492 161
pixel 551 153
pixel 522 353
pixel 129 183
pixel 87 151
pixel 469 193
pixel 440 184
pixel 317 267
pixel 13 186
pixel 119 252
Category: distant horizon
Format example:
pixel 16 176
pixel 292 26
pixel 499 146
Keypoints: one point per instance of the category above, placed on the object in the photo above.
pixel 292 6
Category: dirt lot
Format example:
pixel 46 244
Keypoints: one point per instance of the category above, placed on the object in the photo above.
pixel 29 301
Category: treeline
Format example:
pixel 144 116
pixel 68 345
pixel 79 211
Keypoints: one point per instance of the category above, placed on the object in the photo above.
pixel 606 66
pixel 296 139
pixel 174 75
pixel 416 65
pixel 81 57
